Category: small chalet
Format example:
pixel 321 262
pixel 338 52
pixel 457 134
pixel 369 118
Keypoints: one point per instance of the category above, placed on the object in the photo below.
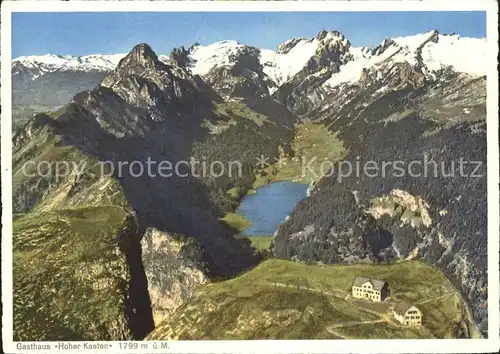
pixel 371 289
pixel 407 314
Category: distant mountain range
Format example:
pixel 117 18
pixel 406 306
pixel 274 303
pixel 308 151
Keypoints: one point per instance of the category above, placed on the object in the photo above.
pixel 431 51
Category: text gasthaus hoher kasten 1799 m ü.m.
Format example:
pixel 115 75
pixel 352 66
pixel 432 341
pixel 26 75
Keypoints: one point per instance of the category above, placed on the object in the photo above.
pixel 129 346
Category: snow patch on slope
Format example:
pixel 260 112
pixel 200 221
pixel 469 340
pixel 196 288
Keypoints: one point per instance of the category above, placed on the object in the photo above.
pixel 217 54
pixel 351 71
pixel 282 67
pixel 413 42
pixel 467 55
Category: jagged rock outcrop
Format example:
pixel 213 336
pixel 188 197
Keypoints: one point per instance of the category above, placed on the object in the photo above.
pixel 181 56
pixel 304 90
pixel 174 269
pixel 238 81
pixel 310 68
pixel 410 204
pixel 142 80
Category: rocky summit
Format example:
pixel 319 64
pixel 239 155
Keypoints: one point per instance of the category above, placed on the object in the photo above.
pixel 117 255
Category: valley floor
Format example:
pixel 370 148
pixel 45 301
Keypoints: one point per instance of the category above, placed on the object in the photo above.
pixel 313 147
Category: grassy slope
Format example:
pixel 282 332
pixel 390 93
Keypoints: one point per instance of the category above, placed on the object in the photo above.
pixel 236 221
pixel 230 113
pixel 286 300
pixel 71 278
pixel 69 275
pixel 258 242
pixel 67 190
pixel 240 223
pixel 236 111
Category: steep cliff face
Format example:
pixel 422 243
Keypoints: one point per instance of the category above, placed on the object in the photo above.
pixel 174 270
pixel 142 80
pixel 84 279
pixel 143 109
pixel 336 66
pixel 78 276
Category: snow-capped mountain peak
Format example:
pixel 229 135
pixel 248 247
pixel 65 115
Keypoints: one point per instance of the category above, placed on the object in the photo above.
pixel 430 51
pixel 293 55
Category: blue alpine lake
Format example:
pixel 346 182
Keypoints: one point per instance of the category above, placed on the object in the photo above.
pixel 270 205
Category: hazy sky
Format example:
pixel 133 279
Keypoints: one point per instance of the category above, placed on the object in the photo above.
pixel 80 33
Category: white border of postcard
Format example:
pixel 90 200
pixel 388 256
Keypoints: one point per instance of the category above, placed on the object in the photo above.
pixel 491 344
